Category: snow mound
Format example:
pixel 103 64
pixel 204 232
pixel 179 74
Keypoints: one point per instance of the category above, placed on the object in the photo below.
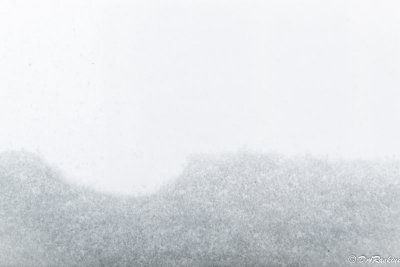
pixel 226 210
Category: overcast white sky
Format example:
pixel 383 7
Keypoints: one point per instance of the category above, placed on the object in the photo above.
pixel 118 93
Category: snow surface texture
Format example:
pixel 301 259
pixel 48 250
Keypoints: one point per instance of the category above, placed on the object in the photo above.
pixel 228 210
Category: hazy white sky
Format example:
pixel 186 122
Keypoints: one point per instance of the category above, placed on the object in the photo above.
pixel 118 93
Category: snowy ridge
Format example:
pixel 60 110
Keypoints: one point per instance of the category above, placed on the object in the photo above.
pixel 228 210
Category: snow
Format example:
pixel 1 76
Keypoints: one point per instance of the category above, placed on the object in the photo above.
pixel 242 209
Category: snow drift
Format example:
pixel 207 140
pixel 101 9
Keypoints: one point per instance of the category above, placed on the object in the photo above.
pixel 227 210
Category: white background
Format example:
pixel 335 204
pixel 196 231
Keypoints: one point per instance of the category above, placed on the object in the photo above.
pixel 118 93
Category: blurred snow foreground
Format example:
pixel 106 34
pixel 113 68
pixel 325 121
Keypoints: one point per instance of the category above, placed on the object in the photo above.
pixel 227 210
